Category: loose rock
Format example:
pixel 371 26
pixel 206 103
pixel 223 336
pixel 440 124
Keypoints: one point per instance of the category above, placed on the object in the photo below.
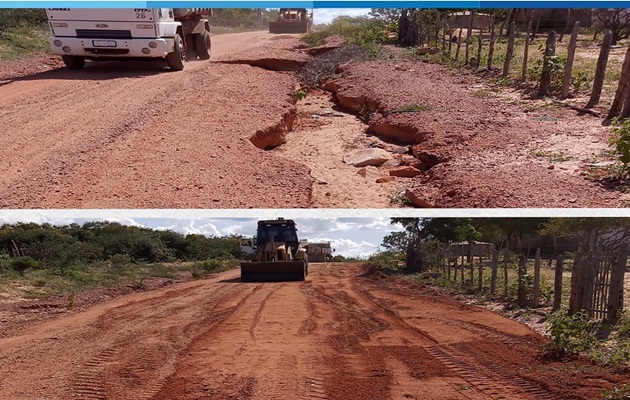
pixel 365 157
pixel 405 172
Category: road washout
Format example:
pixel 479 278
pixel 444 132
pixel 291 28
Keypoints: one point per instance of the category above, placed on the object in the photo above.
pixel 468 144
pixel 348 332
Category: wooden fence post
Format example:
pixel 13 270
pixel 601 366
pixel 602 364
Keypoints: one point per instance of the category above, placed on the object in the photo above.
pixel 625 112
pixel 537 278
pixel 479 46
pixel 493 277
pixel 575 299
pixel 568 68
pixel 459 44
pixel 615 298
pixel 623 92
pixel 505 273
pixel 510 49
pixel 557 284
pixel 491 47
pixel 600 71
pixel 469 35
pixel 480 285
pixel 522 289
pixel 437 30
pixel 526 51
pixel 450 41
pixel 444 30
pixel 545 77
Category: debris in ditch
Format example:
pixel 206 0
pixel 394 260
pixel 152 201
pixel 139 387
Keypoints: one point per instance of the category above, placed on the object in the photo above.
pixel 365 157
pixel 405 172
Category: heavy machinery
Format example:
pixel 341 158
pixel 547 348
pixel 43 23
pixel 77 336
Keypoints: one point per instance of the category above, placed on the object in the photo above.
pixel 177 34
pixel 279 256
pixel 291 20
pixel 320 252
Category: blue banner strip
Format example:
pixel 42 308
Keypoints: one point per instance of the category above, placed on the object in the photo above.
pixel 313 4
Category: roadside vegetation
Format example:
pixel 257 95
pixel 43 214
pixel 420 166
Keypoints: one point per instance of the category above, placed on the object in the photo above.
pixel 23 33
pixel 420 253
pixel 38 261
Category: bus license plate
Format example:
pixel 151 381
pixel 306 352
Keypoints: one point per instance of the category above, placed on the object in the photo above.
pixel 104 43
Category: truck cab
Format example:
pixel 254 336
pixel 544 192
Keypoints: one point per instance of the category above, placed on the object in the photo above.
pixel 179 35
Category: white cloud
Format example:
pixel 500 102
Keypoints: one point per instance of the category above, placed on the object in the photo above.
pixel 348 247
pixel 326 15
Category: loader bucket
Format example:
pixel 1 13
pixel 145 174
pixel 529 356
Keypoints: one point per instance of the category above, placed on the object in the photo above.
pixel 288 26
pixel 263 271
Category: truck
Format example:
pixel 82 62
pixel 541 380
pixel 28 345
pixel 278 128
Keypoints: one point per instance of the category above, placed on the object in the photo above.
pixel 319 251
pixel 175 34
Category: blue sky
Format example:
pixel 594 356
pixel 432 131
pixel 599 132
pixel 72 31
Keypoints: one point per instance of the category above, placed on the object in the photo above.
pixel 350 237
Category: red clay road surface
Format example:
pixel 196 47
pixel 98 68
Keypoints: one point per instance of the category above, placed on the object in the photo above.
pixel 136 135
pixel 346 333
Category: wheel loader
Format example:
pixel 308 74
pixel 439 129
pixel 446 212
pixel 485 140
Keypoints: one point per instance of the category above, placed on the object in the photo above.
pixel 279 256
pixel 291 20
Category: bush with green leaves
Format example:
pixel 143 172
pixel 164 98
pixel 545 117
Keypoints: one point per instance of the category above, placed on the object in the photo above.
pixel 620 141
pixel 572 333
pixel 19 17
pixel 21 264
pixel 556 69
pixel 623 325
pixel 389 259
pixel 617 393
pixel 5 262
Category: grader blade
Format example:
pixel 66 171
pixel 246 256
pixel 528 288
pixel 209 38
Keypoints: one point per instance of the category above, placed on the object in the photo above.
pixel 264 271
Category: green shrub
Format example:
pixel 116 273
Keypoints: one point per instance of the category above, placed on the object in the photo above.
pixel 5 262
pixel 19 17
pixel 21 264
pixel 617 393
pixel 572 333
pixel 120 260
pixel 389 259
pixel 620 141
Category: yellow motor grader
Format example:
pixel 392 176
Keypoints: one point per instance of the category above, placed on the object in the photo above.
pixel 279 254
pixel 291 20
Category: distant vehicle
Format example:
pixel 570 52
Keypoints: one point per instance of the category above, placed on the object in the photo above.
pixel 279 256
pixel 291 20
pixel 319 252
pixel 177 34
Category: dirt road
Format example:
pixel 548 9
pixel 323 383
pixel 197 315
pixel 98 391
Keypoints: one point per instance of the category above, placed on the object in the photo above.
pixel 125 135
pixel 346 333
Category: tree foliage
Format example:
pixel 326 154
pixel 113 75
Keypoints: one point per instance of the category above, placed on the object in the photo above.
pixel 60 247
pixel 591 233
pixel 19 17
pixel 617 20
pixel 243 18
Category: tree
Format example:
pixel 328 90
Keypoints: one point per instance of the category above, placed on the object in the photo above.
pixel 617 20
pixel 386 14
pixel 608 234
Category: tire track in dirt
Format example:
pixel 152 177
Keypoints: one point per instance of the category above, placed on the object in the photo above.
pixel 341 335
pixel 493 382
